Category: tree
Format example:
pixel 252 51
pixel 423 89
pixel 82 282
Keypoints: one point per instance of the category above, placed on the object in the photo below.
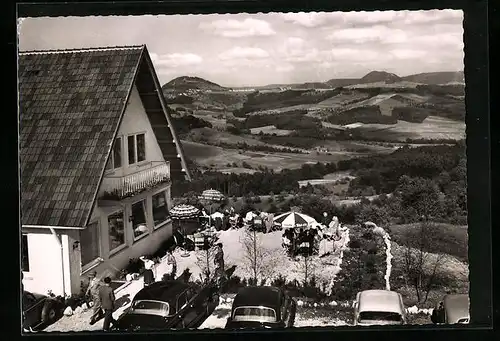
pixel 419 267
pixel 257 260
pixel 205 261
pixel 307 268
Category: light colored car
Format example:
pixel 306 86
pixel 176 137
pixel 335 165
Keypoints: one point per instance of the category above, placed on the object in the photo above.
pixel 454 308
pixel 379 307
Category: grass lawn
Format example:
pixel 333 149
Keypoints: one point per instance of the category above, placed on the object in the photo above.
pixel 447 238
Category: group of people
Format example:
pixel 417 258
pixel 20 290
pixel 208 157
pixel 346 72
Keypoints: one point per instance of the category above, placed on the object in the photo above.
pixel 307 240
pixel 103 296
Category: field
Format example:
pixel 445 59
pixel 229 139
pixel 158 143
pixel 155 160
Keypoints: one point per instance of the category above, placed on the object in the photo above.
pixel 219 158
pixel 431 128
pixel 270 130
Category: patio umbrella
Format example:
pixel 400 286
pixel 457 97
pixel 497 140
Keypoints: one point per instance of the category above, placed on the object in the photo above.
pixel 211 196
pixel 293 220
pixel 184 212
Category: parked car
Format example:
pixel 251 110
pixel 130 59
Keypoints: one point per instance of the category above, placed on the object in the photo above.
pixel 39 310
pixel 262 307
pixel 172 304
pixel 379 307
pixel 454 308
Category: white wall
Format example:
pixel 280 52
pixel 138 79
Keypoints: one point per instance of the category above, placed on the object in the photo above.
pixel 45 271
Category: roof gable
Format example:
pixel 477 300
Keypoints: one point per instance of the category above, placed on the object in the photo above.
pixel 71 103
pixel 70 106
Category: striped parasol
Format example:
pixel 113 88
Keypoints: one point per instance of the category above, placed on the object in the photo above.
pixel 293 220
pixel 182 212
pixel 211 195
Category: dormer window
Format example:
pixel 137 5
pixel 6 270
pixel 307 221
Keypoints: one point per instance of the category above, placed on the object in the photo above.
pixel 136 148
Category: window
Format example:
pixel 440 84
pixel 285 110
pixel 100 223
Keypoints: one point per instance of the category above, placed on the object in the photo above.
pixel 89 243
pixel 136 148
pixel 116 230
pixel 141 147
pixel 160 208
pixel 138 218
pixel 25 261
pixel 115 159
pixel 261 314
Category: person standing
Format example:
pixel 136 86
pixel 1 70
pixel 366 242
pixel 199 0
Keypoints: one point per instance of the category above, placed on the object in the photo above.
pixel 93 291
pixel 219 261
pixel 107 297
pixel 172 263
pixel 149 276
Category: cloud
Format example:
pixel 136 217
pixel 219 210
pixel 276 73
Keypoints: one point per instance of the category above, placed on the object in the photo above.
pixel 174 60
pixel 243 53
pixel 361 35
pixel 232 28
pixel 407 53
pixel 309 19
pixel 428 17
pixel 285 68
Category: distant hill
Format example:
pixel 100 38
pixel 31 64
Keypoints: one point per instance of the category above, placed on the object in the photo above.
pixel 433 78
pixel 380 76
pixel 195 83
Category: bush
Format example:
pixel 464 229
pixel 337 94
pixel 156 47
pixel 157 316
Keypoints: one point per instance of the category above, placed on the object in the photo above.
pixel 354 244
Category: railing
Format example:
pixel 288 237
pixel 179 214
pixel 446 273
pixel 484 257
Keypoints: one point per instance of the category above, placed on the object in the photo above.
pixel 117 187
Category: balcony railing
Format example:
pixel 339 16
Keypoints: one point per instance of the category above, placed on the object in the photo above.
pixel 118 187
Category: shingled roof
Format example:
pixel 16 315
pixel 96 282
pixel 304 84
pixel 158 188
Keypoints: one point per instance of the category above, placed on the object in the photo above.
pixel 71 103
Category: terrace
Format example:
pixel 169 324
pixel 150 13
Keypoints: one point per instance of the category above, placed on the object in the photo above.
pixel 116 187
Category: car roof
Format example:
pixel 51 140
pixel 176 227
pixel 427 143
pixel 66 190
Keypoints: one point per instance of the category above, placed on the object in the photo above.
pixel 165 291
pixel 259 296
pixel 379 300
pixel 456 306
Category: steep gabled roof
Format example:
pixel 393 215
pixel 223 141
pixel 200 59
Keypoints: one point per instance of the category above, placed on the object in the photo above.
pixel 71 103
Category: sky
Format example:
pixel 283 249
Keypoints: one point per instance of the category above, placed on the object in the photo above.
pixel 271 48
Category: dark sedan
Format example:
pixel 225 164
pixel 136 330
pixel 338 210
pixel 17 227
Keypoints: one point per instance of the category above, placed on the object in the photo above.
pixel 453 309
pixel 262 307
pixel 39 310
pixel 171 304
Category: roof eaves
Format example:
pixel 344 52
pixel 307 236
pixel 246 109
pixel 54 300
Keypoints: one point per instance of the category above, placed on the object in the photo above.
pixel 124 107
pixel 180 150
pixel 87 49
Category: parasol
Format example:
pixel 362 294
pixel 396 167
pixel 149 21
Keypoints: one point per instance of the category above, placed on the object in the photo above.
pixel 211 196
pixel 184 212
pixel 293 220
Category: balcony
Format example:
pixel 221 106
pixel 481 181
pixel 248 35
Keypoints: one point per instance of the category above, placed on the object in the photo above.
pixel 119 187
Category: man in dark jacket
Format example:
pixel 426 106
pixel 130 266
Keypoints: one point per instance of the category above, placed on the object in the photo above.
pixel 107 297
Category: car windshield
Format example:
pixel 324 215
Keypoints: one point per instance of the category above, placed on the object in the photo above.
pixel 150 308
pixel 369 316
pixel 254 314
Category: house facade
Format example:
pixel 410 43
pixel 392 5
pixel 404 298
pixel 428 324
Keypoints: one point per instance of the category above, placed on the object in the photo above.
pixel 98 154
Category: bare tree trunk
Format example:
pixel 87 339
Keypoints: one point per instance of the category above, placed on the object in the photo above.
pixel 255 257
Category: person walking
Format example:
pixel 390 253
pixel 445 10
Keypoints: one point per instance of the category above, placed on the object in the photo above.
pixel 93 292
pixel 107 297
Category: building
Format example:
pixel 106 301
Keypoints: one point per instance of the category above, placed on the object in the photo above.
pixel 98 153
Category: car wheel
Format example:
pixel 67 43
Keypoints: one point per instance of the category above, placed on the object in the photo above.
pixel 49 314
